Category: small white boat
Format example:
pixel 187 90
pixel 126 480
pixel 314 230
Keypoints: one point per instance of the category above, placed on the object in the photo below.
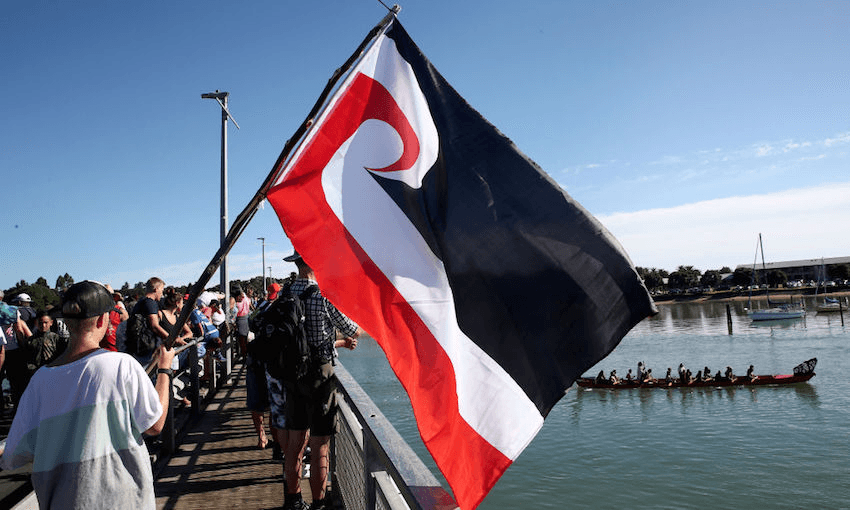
pixel 829 305
pixel 778 312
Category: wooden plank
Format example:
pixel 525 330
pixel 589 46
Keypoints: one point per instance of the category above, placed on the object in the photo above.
pixel 218 464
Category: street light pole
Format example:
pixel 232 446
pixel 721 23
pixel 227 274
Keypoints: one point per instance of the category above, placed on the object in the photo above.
pixel 265 285
pixel 221 97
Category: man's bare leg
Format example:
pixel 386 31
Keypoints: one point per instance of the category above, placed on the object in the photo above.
pixel 292 462
pixel 319 465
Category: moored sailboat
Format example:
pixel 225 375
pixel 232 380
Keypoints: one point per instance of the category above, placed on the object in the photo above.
pixel 774 311
pixel 828 304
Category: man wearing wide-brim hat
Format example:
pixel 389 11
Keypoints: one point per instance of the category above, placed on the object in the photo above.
pixel 81 419
pixel 310 404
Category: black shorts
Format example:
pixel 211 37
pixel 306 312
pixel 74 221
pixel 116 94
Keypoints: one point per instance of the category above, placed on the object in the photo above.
pixel 311 403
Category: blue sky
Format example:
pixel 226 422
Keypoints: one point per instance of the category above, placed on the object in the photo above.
pixel 686 129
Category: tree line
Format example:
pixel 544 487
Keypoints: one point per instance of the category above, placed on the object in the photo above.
pixel 44 296
pixel 685 277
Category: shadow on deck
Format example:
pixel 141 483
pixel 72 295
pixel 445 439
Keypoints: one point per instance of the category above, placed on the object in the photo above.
pixel 218 464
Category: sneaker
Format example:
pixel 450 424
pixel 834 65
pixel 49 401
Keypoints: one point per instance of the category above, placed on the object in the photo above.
pixel 218 356
pixel 296 503
pixel 322 504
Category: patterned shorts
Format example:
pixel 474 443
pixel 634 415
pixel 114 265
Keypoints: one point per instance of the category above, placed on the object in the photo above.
pixel 277 402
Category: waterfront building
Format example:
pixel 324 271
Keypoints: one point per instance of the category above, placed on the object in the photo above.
pixel 805 270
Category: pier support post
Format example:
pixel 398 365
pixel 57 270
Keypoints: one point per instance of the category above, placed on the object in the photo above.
pixel 195 375
pixel 168 434
pixel 729 317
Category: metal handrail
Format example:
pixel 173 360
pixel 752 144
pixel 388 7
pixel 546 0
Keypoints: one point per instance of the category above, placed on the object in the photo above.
pixel 373 466
pixel 151 366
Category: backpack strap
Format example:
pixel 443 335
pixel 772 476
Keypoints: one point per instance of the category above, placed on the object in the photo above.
pixel 285 288
pixel 308 292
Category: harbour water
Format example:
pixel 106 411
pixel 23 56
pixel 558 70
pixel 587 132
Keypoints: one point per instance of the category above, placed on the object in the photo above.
pixel 761 447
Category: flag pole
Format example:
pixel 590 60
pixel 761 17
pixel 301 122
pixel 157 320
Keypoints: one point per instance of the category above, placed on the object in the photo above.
pixel 247 214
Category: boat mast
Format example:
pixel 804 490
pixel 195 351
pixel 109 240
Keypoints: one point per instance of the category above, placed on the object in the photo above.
pixel 753 276
pixel 764 271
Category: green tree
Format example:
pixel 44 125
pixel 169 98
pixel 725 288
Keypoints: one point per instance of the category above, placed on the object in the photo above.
pixel 255 284
pixel 653 278
pixel 724 270
pixel 41 295
pixel 710 278
pixel 742 276
pixel 63 282
pixel 775 278
pixel 684 277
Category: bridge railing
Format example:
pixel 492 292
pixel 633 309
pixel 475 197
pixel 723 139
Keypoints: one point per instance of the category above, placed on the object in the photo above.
pixel 374 467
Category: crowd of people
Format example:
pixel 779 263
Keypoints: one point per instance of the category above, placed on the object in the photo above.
pixel 34 338
pixel 81 417
pixel 684 376
pixel 83 400
pixel 29 338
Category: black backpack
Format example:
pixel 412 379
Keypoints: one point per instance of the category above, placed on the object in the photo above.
pixel 141 340
pixel 280 338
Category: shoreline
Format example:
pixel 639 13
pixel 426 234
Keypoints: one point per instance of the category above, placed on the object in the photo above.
pixel 734 297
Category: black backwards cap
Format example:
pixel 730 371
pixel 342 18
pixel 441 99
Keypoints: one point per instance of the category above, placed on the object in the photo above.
pixel 86 299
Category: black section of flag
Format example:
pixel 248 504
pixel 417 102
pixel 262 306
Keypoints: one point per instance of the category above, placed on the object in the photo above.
pixel 539 284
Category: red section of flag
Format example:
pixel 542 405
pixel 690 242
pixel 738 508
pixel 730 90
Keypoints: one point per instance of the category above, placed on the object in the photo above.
pixel 349 278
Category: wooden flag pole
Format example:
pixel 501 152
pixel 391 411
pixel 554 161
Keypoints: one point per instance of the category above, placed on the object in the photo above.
pixel 250 210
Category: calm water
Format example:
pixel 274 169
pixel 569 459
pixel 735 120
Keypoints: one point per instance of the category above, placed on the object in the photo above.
pixel 767 447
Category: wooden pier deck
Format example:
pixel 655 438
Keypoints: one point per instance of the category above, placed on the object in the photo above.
pixel 218 464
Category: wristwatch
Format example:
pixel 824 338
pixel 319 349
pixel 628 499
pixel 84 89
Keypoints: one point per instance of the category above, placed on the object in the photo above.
pixel 166 371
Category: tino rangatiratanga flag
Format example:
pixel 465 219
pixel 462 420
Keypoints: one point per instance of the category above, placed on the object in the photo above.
pixel 488 287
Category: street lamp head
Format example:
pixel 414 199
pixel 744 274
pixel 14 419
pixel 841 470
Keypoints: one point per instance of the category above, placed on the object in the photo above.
pixel 215 95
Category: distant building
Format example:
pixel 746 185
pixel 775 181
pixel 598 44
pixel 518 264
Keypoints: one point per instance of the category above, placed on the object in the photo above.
pixel 810 269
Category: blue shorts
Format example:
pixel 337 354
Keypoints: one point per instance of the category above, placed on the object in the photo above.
pixel 255 381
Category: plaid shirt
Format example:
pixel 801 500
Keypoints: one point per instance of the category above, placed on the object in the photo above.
pixel 322 322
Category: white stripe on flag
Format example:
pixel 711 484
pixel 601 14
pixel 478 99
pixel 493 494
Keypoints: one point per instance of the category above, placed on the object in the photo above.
pixel 488 398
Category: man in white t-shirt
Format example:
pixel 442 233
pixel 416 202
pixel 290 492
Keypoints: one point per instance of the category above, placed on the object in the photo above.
pixel 81 419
